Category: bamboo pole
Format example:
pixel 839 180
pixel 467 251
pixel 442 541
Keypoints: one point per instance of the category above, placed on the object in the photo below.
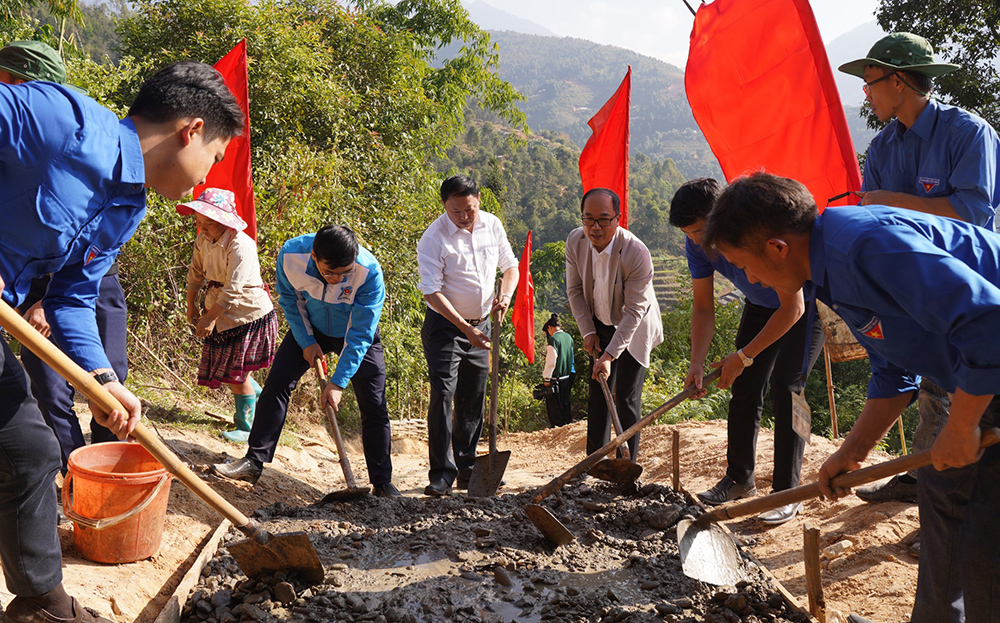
pixel 829 391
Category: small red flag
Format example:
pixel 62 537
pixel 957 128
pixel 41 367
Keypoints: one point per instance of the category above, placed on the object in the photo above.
pixel 604 160
pixel 762 91
pixel 523 314
pixel 233 173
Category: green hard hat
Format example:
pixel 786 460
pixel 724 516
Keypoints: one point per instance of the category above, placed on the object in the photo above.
pixel 900 51
pixel 33 60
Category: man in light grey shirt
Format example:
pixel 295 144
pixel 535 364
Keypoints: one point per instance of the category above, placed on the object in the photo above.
pixel 458 256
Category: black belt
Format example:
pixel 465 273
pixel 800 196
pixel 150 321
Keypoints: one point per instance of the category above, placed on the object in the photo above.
pixel 477 321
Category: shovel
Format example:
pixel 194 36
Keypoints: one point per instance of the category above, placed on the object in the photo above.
pixel 487 472
pixel 622 470
pixel 353 491
pixel 543 519
pixel 709 554
pixel 261 551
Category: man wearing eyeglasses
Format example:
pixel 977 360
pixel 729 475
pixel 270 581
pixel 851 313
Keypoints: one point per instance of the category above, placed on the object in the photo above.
pixel 331 290
pixel 609 280
pixel 458 256
pixel 932 158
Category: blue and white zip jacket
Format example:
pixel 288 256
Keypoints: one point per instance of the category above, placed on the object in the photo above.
pixel 350 309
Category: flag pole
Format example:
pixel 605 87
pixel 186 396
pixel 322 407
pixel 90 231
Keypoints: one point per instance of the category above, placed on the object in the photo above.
pixel 689 7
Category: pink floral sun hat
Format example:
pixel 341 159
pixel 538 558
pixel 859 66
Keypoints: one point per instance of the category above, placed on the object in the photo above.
pixel 218 205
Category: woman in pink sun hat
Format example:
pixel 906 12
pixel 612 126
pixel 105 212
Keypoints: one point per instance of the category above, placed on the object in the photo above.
pixel 237 320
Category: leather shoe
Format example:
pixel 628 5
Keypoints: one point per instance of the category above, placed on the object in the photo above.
pixel 388 490
pixel 781 514
pixel 895 489
pixel 437 488
pixel 244 469
pixel 853 618
pixel 21 610
pixel 728 490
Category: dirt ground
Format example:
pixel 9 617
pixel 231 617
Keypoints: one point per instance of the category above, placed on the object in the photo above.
pixel 874 577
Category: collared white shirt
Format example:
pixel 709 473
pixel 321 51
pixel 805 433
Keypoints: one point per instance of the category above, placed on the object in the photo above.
pixel 603 281
pixel 462 265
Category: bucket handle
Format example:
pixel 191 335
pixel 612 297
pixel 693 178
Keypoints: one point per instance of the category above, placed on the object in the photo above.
pixel 106 522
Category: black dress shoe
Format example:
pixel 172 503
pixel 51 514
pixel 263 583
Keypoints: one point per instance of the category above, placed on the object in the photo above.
pixel 388 490
pixel 245 469
pixel 437 489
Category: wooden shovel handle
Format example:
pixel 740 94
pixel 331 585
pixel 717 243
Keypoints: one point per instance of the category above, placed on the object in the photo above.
pixel 31 339
pixel 560 481
pixel 345 464
pixel 847 480
pixel 609 399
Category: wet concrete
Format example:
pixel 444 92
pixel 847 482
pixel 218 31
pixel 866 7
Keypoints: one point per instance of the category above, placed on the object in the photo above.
pixel 459 559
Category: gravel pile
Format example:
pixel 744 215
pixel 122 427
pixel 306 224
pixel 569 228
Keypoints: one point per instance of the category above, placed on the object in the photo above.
pixel 458 559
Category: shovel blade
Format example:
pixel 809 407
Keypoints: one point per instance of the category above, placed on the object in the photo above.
pixel 345 495
pixel 620 471
pixel 291 551
pixel 487 472
pixel 709 554
pixel 547 523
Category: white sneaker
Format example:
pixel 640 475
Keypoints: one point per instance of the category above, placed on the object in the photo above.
pixel 781 514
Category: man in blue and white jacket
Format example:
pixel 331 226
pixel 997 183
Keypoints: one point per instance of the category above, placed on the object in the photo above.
pixel 332 292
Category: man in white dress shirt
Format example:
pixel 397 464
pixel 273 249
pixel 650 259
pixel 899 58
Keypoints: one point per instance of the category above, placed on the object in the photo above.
pixel 458 257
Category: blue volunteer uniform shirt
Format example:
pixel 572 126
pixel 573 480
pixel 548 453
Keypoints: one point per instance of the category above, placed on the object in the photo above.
pixel 701 265
pixel 71 193
pixel 350 309
pixel 919 292
pixel 948 152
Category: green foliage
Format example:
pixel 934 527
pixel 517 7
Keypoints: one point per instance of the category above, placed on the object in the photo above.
pixel 964 32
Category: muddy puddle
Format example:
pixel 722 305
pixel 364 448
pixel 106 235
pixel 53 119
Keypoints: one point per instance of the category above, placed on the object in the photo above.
pixel 427 560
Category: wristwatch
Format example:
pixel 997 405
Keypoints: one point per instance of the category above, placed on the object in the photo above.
pixel 106 377
pixel 747 361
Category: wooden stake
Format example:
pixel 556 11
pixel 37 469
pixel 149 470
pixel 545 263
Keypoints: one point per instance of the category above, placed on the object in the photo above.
pixel 902 435
pixel 676 451
pixel 829 391
pixel 814 583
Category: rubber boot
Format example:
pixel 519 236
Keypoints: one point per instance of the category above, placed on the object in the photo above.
pixel 246 404
pixel 257 389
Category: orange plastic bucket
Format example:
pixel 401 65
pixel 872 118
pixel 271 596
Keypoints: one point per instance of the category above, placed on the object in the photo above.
pixel 116 494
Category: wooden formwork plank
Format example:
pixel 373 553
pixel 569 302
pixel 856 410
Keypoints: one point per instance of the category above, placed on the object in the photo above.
pixel 171 612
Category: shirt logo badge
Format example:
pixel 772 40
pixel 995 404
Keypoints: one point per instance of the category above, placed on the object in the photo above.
pixel 873 329
pixel 928 183
pixel 92 253
pixel 345 293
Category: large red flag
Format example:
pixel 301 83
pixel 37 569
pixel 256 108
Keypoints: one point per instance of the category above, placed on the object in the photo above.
pixel 233 173
pixel 604 161
pixel 762 91
pixel 523 314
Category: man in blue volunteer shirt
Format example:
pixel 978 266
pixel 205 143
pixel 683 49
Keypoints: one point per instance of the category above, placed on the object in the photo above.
pixel 921 293
pixel 771 343
pixel 332 291
pixel 932 158
pixel 72 191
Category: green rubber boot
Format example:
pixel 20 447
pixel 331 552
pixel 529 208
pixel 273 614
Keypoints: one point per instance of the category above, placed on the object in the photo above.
pixel 245 407
pixel 257 389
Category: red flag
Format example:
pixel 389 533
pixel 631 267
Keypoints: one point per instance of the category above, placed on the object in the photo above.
pixel 523 314
pixel 233 173
pixel 604 160
pixel 762 91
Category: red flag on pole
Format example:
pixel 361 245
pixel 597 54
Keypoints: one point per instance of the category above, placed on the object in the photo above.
pixel 762 91
pixel 233 173
pixel 523 314
pixel 604 161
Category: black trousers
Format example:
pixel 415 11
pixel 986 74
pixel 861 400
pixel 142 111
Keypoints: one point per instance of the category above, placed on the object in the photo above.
pixel 558 406
pixel 625 382
pixel 29 459
pixel 369 390
pixel 780 365
pixel 55 395
pixel 458 373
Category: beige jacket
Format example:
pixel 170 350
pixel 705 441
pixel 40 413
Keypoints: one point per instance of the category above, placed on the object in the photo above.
pixel 634 310
pixel 231 261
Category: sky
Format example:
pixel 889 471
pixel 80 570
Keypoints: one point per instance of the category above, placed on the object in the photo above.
pixel 659 28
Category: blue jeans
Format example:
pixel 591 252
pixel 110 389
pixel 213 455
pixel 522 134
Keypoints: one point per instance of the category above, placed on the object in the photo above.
pixel 55 395
pixel 959 574
pixel 29 460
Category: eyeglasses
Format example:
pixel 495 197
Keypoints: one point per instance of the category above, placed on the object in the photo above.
pixel 842 195
pixel 867 87
pixel 602 222
pixel 337 275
